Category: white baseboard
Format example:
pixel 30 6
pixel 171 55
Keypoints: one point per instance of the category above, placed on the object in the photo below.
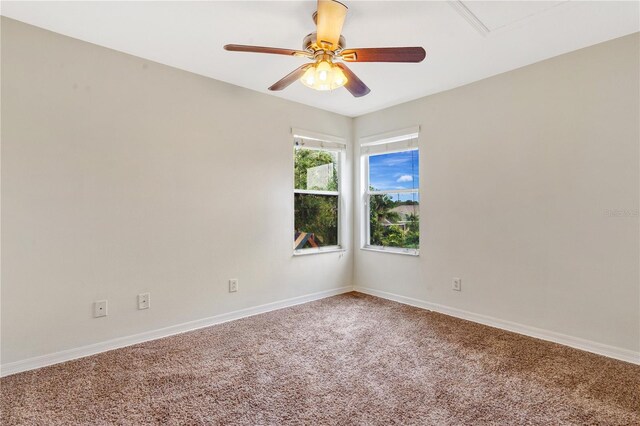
pixel 70 354
pixel 551 336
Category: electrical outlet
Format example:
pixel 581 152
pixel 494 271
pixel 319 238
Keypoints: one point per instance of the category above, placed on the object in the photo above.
pixel 456 284
pixel 100 308
pixel 233 285
pixel 144 300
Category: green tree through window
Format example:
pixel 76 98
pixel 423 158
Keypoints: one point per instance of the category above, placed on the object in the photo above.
pixel 388 227
pixel 315 198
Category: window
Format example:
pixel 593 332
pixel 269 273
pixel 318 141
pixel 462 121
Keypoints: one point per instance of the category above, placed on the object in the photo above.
pixel 316 195
pixel 392 194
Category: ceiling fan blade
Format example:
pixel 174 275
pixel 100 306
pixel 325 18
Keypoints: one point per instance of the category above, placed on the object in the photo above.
pixel 384 54
pixel 271 50
pixel 290 78
pixel 329 20
pixel 354 85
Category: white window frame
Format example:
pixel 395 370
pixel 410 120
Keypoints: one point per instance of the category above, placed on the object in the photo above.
pixel 387 143
pixel 321 142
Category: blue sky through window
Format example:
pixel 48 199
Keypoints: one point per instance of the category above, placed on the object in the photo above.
pixel 398 170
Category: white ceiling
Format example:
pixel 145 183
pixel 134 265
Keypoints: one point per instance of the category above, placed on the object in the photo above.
pixel 465 41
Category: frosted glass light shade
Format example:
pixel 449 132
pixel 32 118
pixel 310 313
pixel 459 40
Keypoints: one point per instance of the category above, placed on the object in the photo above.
pixel 324 75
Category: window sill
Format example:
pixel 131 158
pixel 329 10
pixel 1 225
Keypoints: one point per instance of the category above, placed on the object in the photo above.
pixel 393 250
pixel 305 252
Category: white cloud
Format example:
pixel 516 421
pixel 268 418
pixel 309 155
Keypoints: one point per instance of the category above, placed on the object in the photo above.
pixel 405 178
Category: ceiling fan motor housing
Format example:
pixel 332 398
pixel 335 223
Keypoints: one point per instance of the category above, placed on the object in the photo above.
pixel 309 43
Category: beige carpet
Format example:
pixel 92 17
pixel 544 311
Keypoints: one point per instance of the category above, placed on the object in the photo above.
pixel 347 360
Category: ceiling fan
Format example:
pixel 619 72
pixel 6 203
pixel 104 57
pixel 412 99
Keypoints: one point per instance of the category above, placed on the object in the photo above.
pixel 325 47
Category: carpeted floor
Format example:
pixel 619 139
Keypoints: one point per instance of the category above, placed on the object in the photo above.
pixel 346 360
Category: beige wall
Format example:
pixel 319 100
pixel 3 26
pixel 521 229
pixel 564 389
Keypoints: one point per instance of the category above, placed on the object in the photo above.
pixel 518 172
pixel 122 176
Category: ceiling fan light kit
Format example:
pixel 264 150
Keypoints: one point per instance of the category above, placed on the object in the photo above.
pixel 324 75
pixel 327 45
